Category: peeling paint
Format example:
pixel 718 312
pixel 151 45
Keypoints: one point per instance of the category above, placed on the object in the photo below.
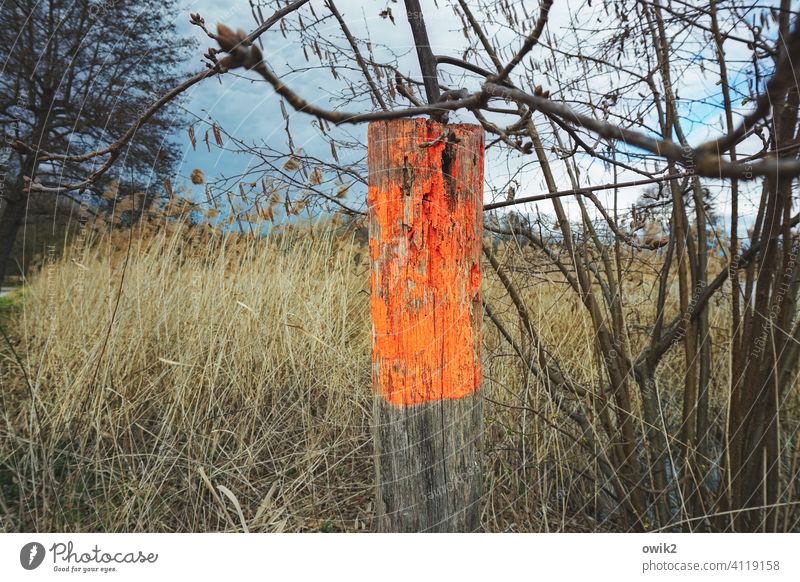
pixel 425 237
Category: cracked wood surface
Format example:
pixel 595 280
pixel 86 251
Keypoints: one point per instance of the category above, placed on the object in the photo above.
pixel 425 209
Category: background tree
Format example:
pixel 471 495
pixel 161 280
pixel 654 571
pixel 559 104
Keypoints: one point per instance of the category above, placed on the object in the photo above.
pixel 76 74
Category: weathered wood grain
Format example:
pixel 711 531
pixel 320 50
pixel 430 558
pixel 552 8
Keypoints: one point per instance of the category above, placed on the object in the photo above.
pixel 425 208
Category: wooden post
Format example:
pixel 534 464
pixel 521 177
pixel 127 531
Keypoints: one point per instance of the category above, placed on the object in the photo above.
pixel 425 212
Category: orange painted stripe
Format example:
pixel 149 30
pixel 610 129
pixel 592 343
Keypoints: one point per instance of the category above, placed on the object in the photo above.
pixel 425 240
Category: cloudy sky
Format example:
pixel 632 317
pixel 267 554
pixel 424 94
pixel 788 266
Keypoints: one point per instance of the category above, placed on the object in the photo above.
pixel 247 108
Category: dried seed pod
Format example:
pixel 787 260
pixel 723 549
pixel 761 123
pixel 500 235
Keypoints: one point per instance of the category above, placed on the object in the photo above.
pixel 255 57
pixel 229 62
pixel 226 38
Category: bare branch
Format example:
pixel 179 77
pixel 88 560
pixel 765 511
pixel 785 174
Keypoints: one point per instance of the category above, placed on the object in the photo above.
pixel 702 161
pixel 784 78
pixel 529 43
pixel 274 19
pixel 578 191
pixel 427 62
pixel 114 150
pixel 356 53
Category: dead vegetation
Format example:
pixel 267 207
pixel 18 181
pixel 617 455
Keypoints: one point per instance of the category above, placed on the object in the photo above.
pixel 188 381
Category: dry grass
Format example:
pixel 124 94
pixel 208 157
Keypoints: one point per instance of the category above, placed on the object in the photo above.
pixel 225 385
pixel 159 381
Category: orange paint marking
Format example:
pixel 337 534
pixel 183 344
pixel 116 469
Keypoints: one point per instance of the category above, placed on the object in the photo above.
pixel 425 205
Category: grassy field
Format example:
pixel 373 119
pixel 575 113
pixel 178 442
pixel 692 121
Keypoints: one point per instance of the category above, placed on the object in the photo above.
pixel 185 382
